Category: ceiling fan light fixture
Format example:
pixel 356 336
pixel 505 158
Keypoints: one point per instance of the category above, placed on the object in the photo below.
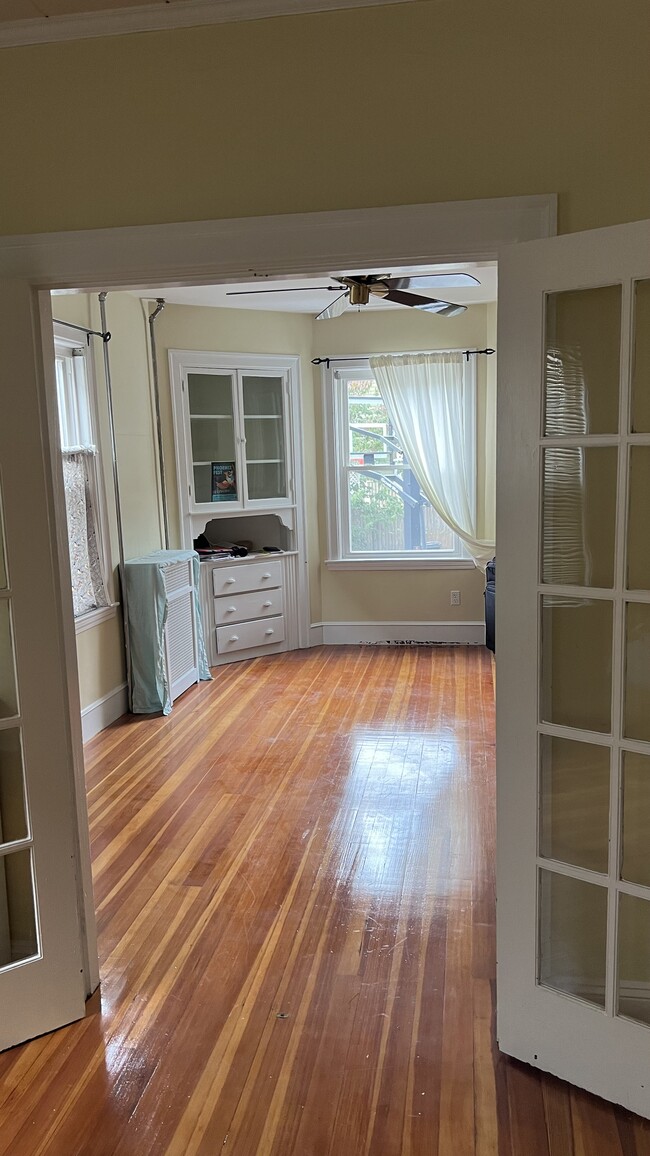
pixel 359 293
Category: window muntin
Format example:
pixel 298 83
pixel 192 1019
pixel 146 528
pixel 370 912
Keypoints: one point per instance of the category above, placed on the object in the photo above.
pixel 382 512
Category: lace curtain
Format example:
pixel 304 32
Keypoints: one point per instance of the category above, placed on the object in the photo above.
pixel 426 397
pixel 88 589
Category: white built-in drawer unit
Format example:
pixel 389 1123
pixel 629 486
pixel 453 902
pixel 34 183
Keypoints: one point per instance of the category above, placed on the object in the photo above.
pixel 250 605
pixel 243 607
pixel 253 576
pixel 250 635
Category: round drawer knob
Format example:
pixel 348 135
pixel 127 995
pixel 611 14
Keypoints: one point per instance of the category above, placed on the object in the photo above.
pixel 229 581
pixel 231 610
pixel 269 631
pixel 265 605
pixel 235 638
pixel 266 575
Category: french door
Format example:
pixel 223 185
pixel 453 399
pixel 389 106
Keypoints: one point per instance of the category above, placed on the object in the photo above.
pixel 573 659
pixel 41 980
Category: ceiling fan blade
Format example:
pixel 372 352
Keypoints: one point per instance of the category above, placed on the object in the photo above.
pixel 433 281
pixel 428 304
pixel 338 306
pixel 299 289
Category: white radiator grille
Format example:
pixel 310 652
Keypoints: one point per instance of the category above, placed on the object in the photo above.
pixel 177 576
pixel 180 636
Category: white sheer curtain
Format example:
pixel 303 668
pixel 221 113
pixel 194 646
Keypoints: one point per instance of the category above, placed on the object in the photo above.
pixel 425 395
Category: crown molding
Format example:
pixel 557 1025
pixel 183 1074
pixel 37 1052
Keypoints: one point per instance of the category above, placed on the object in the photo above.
pixel 161 16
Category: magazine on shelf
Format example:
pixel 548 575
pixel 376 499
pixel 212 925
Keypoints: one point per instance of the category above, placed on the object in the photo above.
pixel 224 482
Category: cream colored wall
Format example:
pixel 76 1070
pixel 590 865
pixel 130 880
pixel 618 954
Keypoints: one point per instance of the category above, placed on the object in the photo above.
pixel 407 595
pixel 134 424
pixel 100 660
pixel 484 99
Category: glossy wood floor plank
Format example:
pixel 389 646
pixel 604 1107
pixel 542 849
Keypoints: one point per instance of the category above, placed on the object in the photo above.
pixel 294 879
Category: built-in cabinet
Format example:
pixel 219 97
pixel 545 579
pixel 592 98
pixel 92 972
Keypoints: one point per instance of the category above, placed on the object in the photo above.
pixel 237 434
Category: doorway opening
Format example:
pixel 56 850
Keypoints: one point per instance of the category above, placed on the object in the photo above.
pixel 113 266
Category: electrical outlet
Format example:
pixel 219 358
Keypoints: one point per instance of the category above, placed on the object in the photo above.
pixel 455 597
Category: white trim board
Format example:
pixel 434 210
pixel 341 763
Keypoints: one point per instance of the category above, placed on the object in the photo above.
pixel 162 16
pixel 292 245
pixel 98 715
pixel 358 633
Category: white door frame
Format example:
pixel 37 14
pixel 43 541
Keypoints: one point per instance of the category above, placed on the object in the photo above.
pixel 216 251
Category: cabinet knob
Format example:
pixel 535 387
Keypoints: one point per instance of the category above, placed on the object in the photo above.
pixel 234 638
pixel 265 576
pixel 269 631
pixel 265 605
pixel 229 581
pixel 232 609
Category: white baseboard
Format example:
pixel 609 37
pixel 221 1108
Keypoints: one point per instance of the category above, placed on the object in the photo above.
pixel 444 633
pixel 100 714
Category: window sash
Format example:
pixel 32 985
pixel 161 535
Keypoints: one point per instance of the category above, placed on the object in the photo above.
pixel 341 530
pixel 89 559
pixel 75 416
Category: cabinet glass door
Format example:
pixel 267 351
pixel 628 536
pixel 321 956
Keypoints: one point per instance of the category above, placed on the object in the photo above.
pixel 212 437
pixel 264 434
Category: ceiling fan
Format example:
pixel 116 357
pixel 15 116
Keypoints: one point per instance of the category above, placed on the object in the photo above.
pixel 357 290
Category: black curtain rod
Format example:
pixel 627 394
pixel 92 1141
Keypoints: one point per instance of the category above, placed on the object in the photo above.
pixel 467 353
pixel 82 329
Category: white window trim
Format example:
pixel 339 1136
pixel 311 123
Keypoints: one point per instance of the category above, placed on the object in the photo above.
pixel 67 338
pixel 95 617
pixel 335 436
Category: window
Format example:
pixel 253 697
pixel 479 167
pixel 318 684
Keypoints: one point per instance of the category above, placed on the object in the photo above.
pixel 378 513
pixel 83 481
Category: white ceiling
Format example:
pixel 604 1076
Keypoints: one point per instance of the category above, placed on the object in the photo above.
pixel 227 296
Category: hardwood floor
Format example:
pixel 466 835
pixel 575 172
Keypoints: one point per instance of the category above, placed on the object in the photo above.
pixel 295 891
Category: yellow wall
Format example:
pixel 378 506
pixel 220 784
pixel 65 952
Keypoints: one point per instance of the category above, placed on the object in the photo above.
pixel 390 105
pixel 134 424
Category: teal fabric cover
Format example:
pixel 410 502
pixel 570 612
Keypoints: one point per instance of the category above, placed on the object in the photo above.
pixel 147 605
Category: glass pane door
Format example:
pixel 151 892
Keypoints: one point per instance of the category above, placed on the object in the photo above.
pixel 42 983
pixel 595 483
pixel 18 934
pixel 573 657
pixel 264 433
pixel 212 436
